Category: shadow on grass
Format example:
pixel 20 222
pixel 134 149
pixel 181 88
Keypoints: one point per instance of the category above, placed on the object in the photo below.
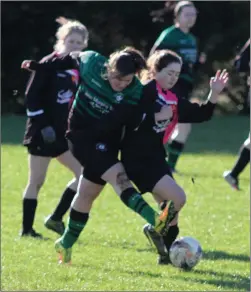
pixel 222 255
pixel 142 274
pixel 219 279
pixel 133 273
pixel 148 249
pixel 110 244
pixel 35 239
pixel 207 254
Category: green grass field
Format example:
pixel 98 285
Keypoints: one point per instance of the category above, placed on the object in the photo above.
pixel 112 253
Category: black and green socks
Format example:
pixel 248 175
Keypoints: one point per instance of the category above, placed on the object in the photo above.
pixel 63 205
pixel 29 210
pixel 76 224
pixel 174 150
pixel 133 200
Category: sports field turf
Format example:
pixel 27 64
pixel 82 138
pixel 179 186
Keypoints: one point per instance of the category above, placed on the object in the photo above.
pixel 112 253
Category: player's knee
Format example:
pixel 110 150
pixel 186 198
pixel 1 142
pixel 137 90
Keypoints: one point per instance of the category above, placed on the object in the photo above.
pixel 180 199
pixel 73 184
pixel 78 172
pixel 88 193
pixel 36 182
pixel 122 181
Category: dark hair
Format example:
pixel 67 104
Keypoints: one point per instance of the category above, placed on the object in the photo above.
pixel 182 4
pixel 158 61
pixel 126 61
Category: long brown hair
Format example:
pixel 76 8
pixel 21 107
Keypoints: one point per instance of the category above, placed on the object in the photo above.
pixel 126 61
pixel 157 61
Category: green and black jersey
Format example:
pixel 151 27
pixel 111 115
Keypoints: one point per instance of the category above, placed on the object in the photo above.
pixel 184 44
pixel 95 97
pixel 97 107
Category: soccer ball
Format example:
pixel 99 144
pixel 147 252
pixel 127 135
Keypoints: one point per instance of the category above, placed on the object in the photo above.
pixel 185 253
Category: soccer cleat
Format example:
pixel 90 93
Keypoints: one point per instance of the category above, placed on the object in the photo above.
pixel 234 182
pixel 56 226
pixel 64 253
pixel 31 233
pixel 155 239
pixel 164 259
pixel 163 220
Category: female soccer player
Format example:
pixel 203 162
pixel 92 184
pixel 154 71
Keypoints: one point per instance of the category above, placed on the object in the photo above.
pixel 143 154
pixel 47 99
pixel 232 176
pixel 242 64
pixel 107 99
pixel 178 38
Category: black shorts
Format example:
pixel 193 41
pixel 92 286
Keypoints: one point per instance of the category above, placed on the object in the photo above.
pixel 183 89
pixel 146 173
pixel 35 144
pixel 49 150
pixel 95 156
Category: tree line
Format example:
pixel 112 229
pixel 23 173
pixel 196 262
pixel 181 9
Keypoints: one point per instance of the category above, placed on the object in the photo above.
pixel 28 31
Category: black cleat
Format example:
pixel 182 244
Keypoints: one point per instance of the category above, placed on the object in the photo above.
pixel 31 233
pixel 164 260
pixel 234 183
pixel 155 239
pixel 56 226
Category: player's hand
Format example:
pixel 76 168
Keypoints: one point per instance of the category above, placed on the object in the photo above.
pixel 165 113
pixel 219 81
pixel 26 65
pixel 48 134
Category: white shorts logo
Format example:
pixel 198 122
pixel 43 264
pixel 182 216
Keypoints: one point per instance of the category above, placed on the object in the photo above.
pixel 101 147
pixel 64 96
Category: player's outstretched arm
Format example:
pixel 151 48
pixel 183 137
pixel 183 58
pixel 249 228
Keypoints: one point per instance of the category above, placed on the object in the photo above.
pixel 195 113
pixel 58 63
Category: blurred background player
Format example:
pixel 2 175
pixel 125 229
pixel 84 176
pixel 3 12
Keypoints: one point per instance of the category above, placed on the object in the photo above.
pixel 179 39
pixel 48 96
pixel 242 64
pixel 232 176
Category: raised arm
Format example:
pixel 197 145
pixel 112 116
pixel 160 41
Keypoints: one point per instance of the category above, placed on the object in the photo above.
pixel 195 113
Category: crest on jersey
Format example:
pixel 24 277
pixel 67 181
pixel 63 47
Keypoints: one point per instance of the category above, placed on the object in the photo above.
pixel 101 147
pixel 119 96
